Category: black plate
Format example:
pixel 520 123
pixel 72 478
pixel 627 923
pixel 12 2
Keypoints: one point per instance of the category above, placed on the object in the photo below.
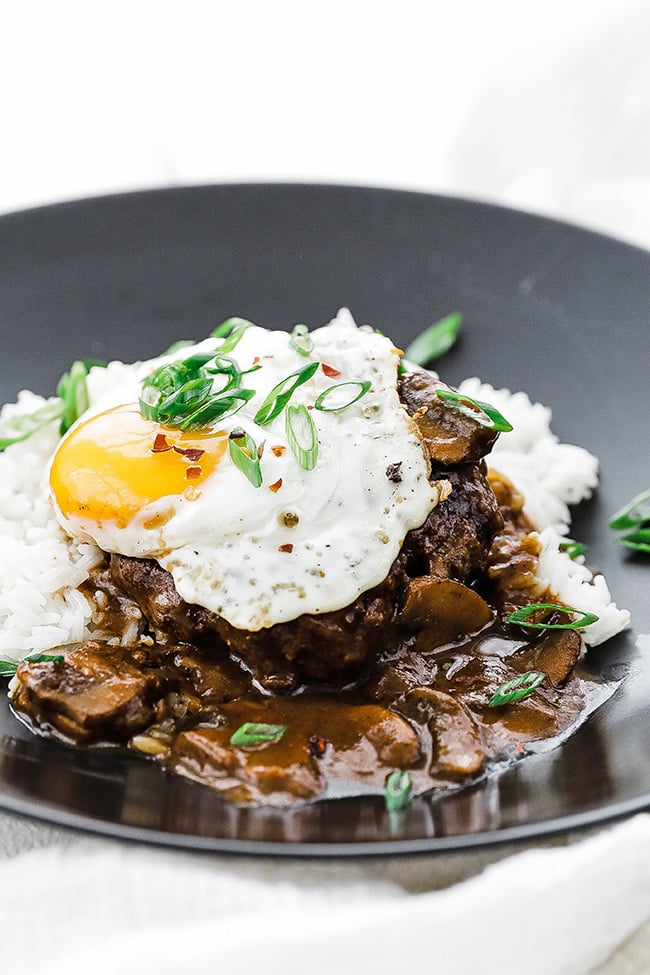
pixel 549 308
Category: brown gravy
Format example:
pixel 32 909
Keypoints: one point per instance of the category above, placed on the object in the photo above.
pixel 424 712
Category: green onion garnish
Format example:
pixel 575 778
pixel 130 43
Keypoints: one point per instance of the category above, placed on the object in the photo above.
pixel 572 548
pixel 435 340
pixel 515 689
pixel 252 733
pixel 167 380
pixel 73 392
pixel 633 514
pixel 177 346
pixel 302 436
pixel 182 394
pixel 280 395
pixel 216 408
pixel 301 340
pixel 339 400
pixel 8 668
pixel 231 331
pixel 20 428
pixel 475 409
pixel 398 790
pixel 186 398
pixel 638 540
pixel 521 617
pixel 41 658
pixel 223 365
pixel 244 454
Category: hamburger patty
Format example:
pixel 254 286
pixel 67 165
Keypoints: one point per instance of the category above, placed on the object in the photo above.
pixel 453 543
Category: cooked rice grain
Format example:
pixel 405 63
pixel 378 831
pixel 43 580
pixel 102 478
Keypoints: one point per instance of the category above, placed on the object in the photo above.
pixel 40 568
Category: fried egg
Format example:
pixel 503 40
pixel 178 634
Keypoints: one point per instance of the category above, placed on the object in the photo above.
pixel 303 541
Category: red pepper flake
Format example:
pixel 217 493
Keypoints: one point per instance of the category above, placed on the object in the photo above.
pixel 160 444
pixel 275 487
pixel 330 370
pixel 192 453
pixel 256 360
pixel 287 547
pixel 317 746
pixel 520 748
pixel 192 473
pixel 278 450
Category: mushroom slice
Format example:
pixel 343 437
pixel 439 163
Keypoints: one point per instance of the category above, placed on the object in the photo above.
pixel 444 611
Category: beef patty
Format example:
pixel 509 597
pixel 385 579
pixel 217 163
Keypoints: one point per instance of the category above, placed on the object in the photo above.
pixel 453 543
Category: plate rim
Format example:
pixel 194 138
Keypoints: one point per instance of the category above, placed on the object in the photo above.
pixel 257 185
pixel 486 839
pixel 526 833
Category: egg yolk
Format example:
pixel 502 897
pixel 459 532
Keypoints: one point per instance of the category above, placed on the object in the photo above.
pixel 114 464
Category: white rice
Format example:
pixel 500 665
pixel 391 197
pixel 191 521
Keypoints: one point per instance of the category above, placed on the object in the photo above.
pixel 551 476
pixel 41 569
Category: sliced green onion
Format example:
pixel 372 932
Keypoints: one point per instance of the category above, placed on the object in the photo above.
pixel 435 340
pixel 638 540
pixel 181 394
pixel 280 395
pixel 243 451
pixel 301 340
pixel 398 790
pixel 485 414
pixel 189 396
pixel 8 667
pixel 521 617
pixel 192 366
pixel 216 408
pixel 361 387
pixel 253 733
pixel 572 548
pixel 73 392
pixel 231 331
pixel 302 436
pixel 22 427
pixel 148 402
pixel 515 689
pixel 163 382
pixel 177 346
pixel 41 658
pixel 223 365
pixel 226 328
pixel 633 514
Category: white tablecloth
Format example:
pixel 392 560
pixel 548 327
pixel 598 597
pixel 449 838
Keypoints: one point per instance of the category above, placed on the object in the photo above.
pixel 546 107
pixel 564 907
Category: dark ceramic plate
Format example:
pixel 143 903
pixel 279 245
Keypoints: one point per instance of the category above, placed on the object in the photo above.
pixel 549 308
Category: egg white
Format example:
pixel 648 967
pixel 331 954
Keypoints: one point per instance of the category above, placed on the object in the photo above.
pixel 230 546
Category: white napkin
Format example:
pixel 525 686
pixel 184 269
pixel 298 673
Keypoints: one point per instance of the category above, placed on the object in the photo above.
pixel 101 906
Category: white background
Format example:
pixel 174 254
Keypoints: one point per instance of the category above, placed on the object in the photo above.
pixel 540 105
